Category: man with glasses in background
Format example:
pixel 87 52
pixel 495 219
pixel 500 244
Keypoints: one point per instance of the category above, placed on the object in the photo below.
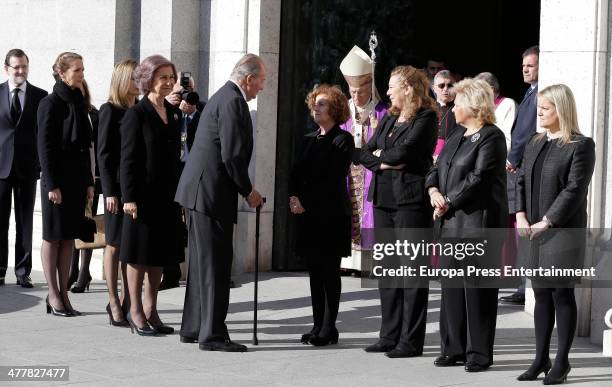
pixel 19 166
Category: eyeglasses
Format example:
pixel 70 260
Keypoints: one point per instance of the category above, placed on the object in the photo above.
pixel 17 68
pixel 444 86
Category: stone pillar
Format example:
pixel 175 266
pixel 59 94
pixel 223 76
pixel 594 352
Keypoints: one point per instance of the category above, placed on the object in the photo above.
pixel 574 50
pixel 127 30
pixel 250 26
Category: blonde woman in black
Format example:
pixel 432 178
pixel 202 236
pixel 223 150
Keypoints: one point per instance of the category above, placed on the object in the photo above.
pixel 122 95
pixel 551 192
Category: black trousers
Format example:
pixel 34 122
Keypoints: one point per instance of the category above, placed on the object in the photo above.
pixel 467 323
pixel 548 302
pixel 24 193
pixel 325 289
pixel 404 310
pixel 208 279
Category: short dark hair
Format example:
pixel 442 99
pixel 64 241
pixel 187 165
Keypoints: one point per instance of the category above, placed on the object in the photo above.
pixel 15 52
pixel 533 50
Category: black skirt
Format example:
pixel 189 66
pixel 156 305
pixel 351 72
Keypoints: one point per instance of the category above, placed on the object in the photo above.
pixel 113 225
pixel 154 237
pixel 63 221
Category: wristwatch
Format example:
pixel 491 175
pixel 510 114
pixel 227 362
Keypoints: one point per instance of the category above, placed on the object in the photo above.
pixel 547 221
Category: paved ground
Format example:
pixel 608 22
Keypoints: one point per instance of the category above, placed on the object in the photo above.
pixel 99 354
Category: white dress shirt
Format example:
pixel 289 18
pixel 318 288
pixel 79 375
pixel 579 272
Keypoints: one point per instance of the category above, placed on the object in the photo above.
pixel 21 87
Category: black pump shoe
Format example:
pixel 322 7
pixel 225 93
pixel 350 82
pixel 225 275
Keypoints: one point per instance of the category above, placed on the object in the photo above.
pixel 112 321
pixel 557 379
pixel 146 330
pixel 80 288
pixel 162 329
pixel 320 341
pixel 533 374
pixel 57 312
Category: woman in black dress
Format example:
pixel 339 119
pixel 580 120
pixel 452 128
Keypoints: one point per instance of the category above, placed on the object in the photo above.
pixel 123 95
pixel 149 171
pixel 467 188
pixel 320 201
pixel 81 278
pixel 399 155
pixel 552 191
pixel 64 141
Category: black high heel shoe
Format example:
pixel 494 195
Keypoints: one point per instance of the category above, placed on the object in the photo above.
pixel 56 312
pixel 80 288
pixel 112 321
pixel 533 375
pixel 557 379
pixel 319 341
pixel 146 330
pixel 162 329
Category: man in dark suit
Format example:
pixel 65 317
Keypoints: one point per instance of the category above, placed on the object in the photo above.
pixel 19 167
pixel 215 173
pixel 524 127
pixel 189 124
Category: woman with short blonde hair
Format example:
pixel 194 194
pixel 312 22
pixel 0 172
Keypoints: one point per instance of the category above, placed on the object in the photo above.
pixel 476 96
pixel 467 189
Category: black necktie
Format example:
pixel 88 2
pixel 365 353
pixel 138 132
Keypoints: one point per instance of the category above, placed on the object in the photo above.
pixel 15 106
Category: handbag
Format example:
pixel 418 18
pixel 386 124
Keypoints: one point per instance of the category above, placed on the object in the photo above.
pixel 92 231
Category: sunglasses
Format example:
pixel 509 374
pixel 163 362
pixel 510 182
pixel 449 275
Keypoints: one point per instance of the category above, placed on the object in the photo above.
pixel 444 86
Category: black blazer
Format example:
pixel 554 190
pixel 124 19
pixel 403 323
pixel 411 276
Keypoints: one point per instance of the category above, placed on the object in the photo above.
pixel 218 166
pixel 18 147
pixel 109 148
pixel 150 151
pixel 319 181
pixel 564 183
pixel 413 145
pixel 473 179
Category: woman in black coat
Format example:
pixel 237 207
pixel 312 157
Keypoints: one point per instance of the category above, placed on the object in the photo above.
pixel 467 187
pixel 399 155
pixel 149 168
pixel 122 95
pixel 552 191
pixel 320 201
pixel 64 141
pixel 81 278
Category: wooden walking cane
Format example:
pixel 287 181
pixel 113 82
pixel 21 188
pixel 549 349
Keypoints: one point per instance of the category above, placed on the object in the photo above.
pixel 257 214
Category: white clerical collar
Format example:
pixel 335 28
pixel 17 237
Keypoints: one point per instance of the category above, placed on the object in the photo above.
pixel 239 88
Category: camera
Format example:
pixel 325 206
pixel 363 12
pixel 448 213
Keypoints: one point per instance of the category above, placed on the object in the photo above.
pixel 191 97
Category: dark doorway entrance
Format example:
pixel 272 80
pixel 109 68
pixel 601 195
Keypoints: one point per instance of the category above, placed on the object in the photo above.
pixel 471 36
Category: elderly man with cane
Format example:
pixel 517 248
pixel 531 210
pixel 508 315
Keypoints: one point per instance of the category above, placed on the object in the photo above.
pixel 215 173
